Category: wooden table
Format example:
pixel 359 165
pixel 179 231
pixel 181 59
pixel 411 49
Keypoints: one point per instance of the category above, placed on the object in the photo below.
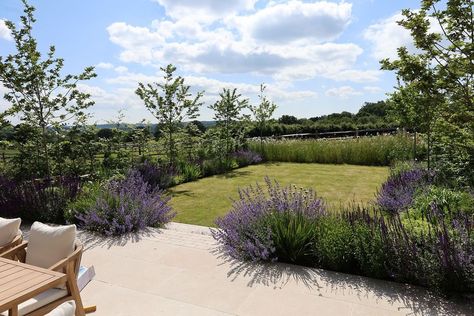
pixel 19 282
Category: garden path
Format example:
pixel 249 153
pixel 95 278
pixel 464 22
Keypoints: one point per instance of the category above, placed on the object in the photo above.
pixel 178 271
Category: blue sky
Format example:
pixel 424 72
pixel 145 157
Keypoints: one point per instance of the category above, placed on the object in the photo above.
pixel 316 57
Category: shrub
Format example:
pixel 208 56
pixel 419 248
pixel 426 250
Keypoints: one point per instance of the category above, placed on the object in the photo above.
pixel 291 225
pixel 217 166
pixel 446 200
pixel 84 201
pixel 398 191
pixel 188 172
pixel 248 231
pixel 157 176
pixel 37 200
pixel 127 205
pixel 246 157
pixel 333 244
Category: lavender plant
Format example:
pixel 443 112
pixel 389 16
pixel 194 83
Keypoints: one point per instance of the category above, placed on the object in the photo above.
pixel 39 199
pixel 127 205
pixel 246 157
pixel 291 225
pixel 398 192
pixel 246 231
pixel 155 175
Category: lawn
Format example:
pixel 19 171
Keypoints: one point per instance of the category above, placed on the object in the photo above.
pixel 201 202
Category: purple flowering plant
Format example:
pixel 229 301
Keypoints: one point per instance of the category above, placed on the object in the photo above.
pixel 246 231
pixel 245 157
pixel 125 206
pixel 398 192
pixel 37 199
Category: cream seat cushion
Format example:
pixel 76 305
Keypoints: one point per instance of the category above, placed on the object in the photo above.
pixel 65 309
pixel 47 245
pixel 39 301
pixel 9 229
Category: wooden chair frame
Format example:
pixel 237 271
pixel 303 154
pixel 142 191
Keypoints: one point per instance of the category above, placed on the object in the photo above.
pixel 15 242
pixel 69 266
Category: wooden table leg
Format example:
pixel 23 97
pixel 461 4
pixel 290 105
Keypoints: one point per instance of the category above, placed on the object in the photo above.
pixel 13 311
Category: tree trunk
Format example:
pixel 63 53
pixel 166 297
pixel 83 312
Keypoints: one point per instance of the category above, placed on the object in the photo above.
pixel 414 145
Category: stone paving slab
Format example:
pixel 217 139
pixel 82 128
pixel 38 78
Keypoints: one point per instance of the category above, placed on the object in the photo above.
pixel 178 271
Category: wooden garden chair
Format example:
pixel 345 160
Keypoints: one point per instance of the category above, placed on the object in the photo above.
pixel 15 242
pixel 52 298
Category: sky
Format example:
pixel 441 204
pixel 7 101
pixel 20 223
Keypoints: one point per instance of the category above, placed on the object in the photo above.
pixel 315 57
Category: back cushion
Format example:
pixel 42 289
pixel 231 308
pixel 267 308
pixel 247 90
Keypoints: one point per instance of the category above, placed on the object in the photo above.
pixel 47 245
pixel 9 229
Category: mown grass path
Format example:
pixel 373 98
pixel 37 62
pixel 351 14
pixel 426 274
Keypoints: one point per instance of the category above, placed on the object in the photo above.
pixel 201 202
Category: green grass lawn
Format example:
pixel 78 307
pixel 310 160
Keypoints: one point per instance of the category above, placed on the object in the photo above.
pixel 201 202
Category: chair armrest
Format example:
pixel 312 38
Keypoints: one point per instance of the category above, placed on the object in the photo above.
pixel 18 252
pixel 62 265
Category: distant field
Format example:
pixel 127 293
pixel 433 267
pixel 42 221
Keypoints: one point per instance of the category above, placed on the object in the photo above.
pixel 201 202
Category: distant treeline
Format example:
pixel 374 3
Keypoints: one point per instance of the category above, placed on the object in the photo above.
pixel 370 116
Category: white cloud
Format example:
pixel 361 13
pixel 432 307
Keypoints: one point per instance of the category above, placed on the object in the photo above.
pixel 121 69
pixel 373 89
pixel 103 65
pixel 205 9
pixel 287 41
pixel 356 75
pixel 386 36
pixel 296 20
pixel 342 92
pixel 4 31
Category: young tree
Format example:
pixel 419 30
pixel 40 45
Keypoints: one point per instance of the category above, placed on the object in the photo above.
pixel 262 112
pixel 170 103
pixel 38 92
pixel 440 75
pixel 227 113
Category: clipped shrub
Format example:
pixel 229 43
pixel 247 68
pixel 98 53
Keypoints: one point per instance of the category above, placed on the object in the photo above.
pixel 127 205
pixel 255 224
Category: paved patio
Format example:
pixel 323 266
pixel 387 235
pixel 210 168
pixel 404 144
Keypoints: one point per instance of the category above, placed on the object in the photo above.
pixel 177 271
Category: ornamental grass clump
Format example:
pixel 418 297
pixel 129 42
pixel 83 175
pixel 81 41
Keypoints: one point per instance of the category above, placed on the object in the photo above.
pixel 125 206
pixel 398 192
pixel 266 224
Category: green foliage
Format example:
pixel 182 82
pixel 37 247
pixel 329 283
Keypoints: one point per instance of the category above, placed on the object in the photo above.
pixel 262 112
pixel 170 103
pixel 188 172
pixel 229 118
pixel 376 151
pixel 435 90
pixel 84 202
pixel 333 244
pixel 446 200
pixel 38 92
pixel 292 235
pixel 288 120
pixel 368 246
